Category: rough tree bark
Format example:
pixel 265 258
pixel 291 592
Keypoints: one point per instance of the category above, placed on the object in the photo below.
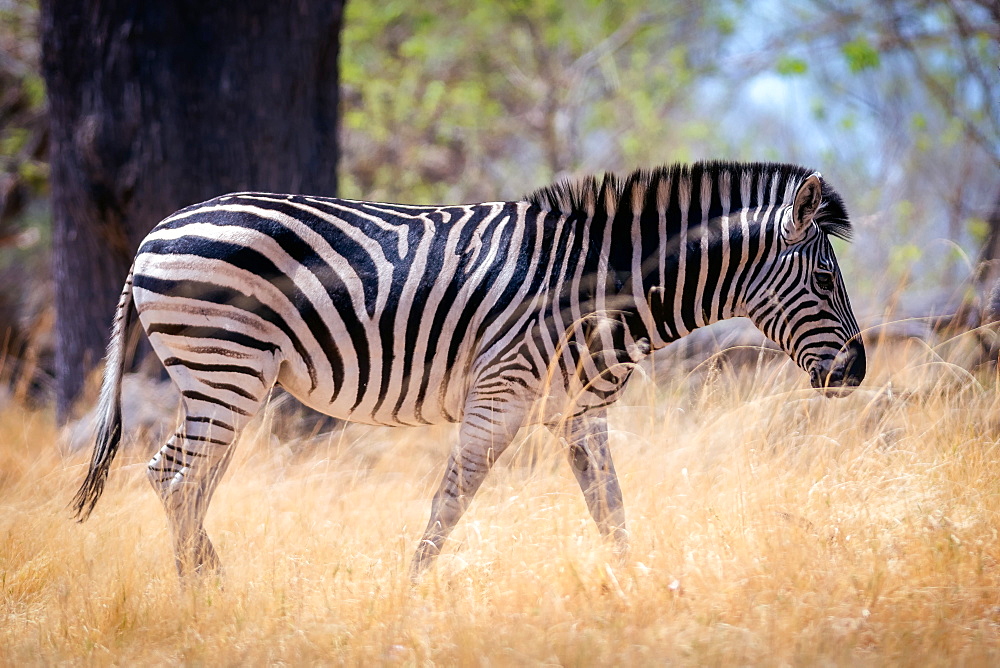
pixel 157 105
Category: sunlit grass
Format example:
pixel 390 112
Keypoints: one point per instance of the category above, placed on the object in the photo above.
pixel 769 526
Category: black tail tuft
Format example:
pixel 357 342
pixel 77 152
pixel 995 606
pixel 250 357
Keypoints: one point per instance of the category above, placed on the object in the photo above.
pixel 109 431
pixel 109 437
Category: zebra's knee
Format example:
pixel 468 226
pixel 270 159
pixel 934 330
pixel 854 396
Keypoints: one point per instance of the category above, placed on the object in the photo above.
pixel 156 472
pixel 165 474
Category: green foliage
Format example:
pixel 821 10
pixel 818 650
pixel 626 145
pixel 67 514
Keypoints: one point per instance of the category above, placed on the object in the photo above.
pixel 13 141
pixel 790 65
pixel 979 229
pixel 902 257
pixel 449 101
pixel 23 127
pixel 35 174
pixel 860 55
pixel 726 25
pixel 912 120
pixel 33 87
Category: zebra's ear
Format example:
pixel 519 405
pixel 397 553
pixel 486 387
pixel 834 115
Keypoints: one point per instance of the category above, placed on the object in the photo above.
pixel 807 201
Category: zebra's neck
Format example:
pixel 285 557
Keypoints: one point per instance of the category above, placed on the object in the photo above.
pixel 700 270
pixel 674 250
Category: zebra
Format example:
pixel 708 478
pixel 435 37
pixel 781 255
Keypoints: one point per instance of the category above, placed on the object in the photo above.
pixel 493 316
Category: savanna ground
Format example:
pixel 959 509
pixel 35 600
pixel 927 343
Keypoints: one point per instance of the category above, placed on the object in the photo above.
pixel 769 526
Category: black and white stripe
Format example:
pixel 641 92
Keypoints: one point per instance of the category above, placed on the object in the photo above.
pixel 493 315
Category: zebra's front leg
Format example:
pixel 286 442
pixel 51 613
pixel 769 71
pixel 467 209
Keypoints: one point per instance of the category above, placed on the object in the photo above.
pixel 586 438
pixel 483 437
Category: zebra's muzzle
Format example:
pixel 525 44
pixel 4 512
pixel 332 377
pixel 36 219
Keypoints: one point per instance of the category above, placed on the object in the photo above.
pixel 838 377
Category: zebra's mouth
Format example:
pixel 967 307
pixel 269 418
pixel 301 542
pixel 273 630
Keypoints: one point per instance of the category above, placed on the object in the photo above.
pixel 839 377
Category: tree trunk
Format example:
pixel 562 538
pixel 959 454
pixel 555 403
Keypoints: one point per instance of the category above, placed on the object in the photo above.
pixel 157 105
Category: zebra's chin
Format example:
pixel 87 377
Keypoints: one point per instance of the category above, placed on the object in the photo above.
pixel 839 392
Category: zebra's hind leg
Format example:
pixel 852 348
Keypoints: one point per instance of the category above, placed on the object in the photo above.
pixel 586 437
pixel 185 473
pixel 483 437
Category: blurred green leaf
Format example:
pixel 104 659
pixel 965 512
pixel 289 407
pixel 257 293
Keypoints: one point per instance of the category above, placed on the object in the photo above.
pixel 860 55
pixel 819 109
pixel 34 90
pixel 35 174
pixel 903 256
pixel 905 209
pixel 791 66
pixel 726 24
pixel 12 141
pixel 978 228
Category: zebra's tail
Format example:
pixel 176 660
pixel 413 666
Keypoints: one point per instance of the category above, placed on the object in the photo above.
pixel 109 409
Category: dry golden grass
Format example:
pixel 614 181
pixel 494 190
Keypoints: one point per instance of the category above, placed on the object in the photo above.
pixel 769 526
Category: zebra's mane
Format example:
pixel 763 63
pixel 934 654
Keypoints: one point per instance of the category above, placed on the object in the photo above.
pixel 642 188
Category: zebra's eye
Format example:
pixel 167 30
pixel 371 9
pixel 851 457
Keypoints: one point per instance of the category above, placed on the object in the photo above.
pixel 824 280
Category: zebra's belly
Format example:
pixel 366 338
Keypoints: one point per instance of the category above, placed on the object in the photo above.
pixel 432 396
pixel 438 393
pixel 386 417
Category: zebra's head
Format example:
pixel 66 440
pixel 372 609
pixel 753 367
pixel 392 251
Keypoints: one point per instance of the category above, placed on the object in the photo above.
pixel 798 298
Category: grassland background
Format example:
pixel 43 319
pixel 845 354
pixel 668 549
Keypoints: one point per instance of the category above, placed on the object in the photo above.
pixel 769 526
